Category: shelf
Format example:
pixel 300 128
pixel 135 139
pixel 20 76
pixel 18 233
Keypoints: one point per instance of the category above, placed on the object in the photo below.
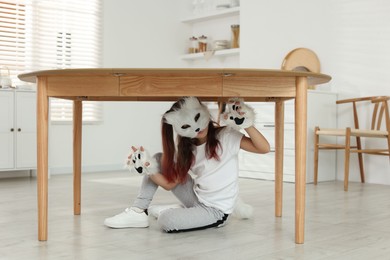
pixel 219 53
pixel 212 15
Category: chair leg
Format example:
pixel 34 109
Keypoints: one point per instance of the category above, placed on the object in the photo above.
pixel 316 141
pixel 388 145
pixel 346 157
pixel 360 157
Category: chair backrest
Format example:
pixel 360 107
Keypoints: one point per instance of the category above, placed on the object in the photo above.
pixel 301 59
pixel 380 113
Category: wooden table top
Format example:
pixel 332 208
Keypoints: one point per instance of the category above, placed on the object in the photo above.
pixel 159 84
pixel 314 78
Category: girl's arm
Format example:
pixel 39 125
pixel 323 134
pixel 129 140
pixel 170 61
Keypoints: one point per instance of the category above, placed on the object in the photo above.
pixel 161 181
pixel 255 143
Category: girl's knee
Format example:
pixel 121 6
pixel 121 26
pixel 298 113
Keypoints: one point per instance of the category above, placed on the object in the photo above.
pixel 165 221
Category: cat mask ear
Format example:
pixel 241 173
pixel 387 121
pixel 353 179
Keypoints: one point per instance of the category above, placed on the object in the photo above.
pixel 190 119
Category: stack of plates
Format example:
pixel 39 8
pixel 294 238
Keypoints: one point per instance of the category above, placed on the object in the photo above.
pixel 221 45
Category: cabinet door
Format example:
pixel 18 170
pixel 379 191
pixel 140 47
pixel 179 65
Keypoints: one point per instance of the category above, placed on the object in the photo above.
pixel 26 153
pixel 321 110
pixel 6 129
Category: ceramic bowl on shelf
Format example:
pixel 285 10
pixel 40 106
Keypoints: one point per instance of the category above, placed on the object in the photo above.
pixel 222 4
pixel 219 7
pixel 220 45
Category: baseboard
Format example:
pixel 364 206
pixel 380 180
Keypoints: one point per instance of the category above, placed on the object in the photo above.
pixel 86 168
pixel 16 174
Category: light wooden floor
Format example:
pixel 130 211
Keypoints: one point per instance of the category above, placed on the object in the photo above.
pixel 339 225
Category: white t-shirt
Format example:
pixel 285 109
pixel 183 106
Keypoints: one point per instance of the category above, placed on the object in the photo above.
pixel 216 182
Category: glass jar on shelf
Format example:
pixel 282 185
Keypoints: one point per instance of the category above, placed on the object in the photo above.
pixel 202 40
pixel 193 48
pixel 235 35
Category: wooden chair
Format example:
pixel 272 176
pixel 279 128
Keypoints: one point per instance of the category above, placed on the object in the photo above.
pixel 301 59
pixel 380 128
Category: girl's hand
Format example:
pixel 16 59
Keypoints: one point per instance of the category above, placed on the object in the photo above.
pixel 139 161
pixel 238 115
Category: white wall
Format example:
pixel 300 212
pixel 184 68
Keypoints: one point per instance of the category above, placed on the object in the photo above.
pixel 143 33
pixel 106 145
pixel 270 29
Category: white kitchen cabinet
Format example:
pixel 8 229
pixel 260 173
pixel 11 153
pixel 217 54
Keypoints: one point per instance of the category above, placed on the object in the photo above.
pixel 321 112
pixel 17 130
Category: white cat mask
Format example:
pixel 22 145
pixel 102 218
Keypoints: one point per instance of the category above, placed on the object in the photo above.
pixel 190 119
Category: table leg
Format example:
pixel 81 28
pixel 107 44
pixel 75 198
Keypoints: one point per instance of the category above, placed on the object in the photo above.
pixel 77 134
pixel 42 156
pixel 300 157
pixel 279 149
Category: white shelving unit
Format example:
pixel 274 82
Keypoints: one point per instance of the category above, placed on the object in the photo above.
pixel 218 53
pixel 212 16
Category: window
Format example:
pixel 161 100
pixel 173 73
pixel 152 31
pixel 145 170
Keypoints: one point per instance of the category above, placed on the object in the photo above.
pixel 51 34
pixel 62 111
pixel 12 38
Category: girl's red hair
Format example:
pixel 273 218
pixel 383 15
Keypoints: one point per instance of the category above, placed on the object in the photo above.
pixel 176 164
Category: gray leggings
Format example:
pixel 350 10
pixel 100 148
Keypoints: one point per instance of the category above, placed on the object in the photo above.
pixel 194 215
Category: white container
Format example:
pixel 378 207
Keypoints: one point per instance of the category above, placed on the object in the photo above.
pixel 220 45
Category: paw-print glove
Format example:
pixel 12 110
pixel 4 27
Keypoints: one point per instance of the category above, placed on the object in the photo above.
pixel 238 115
pixel 140 162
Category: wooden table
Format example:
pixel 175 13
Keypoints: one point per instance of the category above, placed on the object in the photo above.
pixel 169 85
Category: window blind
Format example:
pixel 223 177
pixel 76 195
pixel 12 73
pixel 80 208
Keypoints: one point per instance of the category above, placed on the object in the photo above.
pixel 52 34
pixel 12 38
pixel 62 111
pixel 67 33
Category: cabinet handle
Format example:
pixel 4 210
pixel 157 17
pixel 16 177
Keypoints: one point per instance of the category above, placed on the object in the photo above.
pixel 269 125
pixel 12 129
pixel 19 129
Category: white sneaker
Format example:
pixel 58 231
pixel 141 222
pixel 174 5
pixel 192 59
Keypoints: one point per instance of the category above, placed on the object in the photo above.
pixel 128 219
pixel 155 210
